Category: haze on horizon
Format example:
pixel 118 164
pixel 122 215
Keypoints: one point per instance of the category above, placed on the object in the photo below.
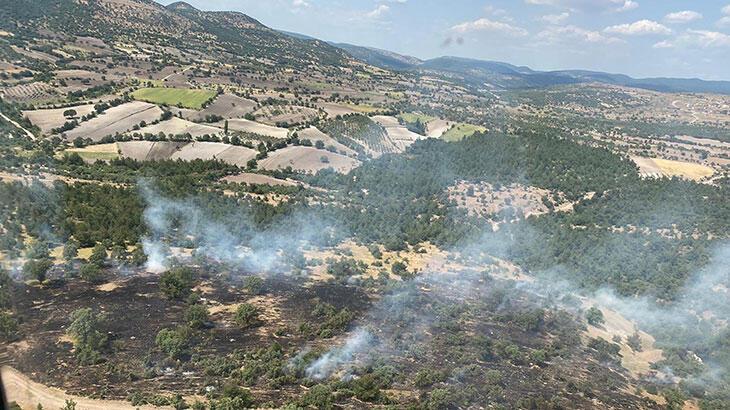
pixel 641 38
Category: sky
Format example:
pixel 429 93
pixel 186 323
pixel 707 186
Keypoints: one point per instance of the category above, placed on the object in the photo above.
pixel 641 38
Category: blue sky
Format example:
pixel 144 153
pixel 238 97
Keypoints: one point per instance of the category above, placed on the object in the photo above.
pixel 641 38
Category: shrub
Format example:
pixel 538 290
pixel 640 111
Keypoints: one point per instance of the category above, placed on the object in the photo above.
pixel 176 282
pixel 175 343
pixel 90 272
pixel 247 315
pixel 594 316
pixel 196 316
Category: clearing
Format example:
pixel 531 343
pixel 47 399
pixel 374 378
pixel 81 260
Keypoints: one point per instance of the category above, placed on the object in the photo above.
pixel 184 97
pixel 659 168
pixel 307 159
pixel 458 132
pixel 92 153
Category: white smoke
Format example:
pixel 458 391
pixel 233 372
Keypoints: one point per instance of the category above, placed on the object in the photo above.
pixel 332 361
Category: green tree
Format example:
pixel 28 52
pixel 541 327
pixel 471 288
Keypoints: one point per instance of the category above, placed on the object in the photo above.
pixel 37 269
pixel 594 316
pixel 98 255
pixel 71 250
pixel 90 272
pixel 87 338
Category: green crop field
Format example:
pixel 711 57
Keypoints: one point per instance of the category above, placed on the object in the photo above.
pixel 175 96
pixel 461 131
pixel 411 117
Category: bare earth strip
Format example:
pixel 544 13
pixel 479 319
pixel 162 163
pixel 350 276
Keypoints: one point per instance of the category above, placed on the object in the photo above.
pixel 437 128
pixel 28 394
pixel 49 119
pixel 118 119
pixel 256 128
pixel 238 156
pixel 257 179
pixel 200 150
pixel 307 159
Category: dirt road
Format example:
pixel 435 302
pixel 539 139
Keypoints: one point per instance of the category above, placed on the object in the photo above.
pixel 28 394
pixel 18 126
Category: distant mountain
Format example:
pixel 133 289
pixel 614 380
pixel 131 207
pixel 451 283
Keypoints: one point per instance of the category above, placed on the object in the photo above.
pixel 380 58
pixel 225 35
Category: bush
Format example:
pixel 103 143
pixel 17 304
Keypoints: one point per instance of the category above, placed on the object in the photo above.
pixel 177 282
pixel 37 269
pixel 98 255
pixel 594 316
pixel 175 343
pixel 253 284
pixel 196 316
pixel 247 315
pixel 8 327
pixel 319 396
pixel 90 272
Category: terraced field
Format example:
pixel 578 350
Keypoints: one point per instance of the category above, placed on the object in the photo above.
pixel 255 128
pixel 186 151
pixel 49 119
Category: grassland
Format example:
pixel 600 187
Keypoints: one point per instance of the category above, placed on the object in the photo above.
pixel 96 152
pixel 461 131
pixel 684 169
pixel 181 97
pixel 412 117
pixel 362 108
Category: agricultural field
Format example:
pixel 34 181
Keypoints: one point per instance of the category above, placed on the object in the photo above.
pixel 226 106
pixel 255 128
pixel 307 160
pixel 314 135
pixel 458 132
pixel 178 126
pixel 94 153
pixel 48 119
pixel 186 151
pixel 285 114
pixel 658 168
pixel 187 98
pixel 33 92
pixel 116 120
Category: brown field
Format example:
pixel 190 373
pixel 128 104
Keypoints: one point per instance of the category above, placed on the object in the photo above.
pixel 36 55
pixel 335 109
pixel 226 105
pixel 178 126
pixel 256 128
pixel 49 119
pixel 292 114
pixel 307 159
pixel 314 134
pixel 437 128
pixel 402 138
pixel 657 168
pixel 258 179
pixel 116 120
pixel 186 151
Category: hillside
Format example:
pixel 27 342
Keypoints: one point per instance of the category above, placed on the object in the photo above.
pixel 227 35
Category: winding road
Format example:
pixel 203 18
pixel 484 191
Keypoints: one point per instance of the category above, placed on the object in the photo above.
pixel 18 126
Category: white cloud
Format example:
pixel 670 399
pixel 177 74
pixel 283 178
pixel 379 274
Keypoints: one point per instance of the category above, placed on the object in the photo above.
pixel 485 24
pixel 664 44
pixel 298 4
pixel 726 10
pixel 589 5
pixel 555 18
pixel 705 39
pixel 572 34
pixel 682 17
pixel 724 22
pixel 639 28
pixel 378 12
pixel 628 5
